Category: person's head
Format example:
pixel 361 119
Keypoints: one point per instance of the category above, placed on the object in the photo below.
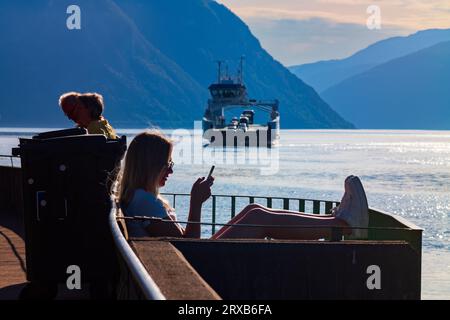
pixel 93 102
pixel 69 103
pixel 148 164
pixel 82 108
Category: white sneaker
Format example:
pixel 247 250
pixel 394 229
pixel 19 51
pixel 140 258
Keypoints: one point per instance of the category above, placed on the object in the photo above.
pixel 345 203
pixel 353 208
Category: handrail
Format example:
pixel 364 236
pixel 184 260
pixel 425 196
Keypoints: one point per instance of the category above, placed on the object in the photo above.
pixel 248 196
pixel 309 206
pixel 316 204
pixel 10 157
pixel 137 270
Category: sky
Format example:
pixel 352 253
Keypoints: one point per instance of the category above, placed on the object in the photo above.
pixel 304 31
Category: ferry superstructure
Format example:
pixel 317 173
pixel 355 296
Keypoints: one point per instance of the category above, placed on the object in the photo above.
pixel 231 93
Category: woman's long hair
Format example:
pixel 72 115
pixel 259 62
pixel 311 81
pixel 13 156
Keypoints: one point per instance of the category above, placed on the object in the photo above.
pixel 147 156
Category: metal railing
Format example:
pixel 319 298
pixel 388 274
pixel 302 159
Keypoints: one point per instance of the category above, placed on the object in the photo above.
pixel 304 205
pixel 11 158
pixel 138 272
pixel 386 227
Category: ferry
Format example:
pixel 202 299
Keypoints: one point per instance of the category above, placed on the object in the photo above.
pixel 230 93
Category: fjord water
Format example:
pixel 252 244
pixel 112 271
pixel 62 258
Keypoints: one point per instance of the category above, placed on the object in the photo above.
pixel 406 173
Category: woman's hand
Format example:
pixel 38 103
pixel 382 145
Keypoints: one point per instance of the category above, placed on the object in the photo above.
pixel 201 190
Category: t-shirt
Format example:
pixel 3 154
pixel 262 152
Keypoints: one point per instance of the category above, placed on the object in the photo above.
pixel 144 204
pixel 102 126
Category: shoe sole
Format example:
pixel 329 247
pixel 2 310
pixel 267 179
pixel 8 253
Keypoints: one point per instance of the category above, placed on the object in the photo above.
pixel 349 178
pixel 346 190
pixel 359 189
pixel 361 192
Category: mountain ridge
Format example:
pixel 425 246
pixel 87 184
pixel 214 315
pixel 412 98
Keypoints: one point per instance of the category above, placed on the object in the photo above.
pixel 222 44
pixel 409 92
pixel 322 75
pixel 153 69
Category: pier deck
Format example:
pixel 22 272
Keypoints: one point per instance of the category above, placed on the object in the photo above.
pixel 12 256
pixel 13 261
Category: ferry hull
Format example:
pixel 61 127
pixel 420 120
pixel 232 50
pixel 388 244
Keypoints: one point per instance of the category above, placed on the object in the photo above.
pixel 259 136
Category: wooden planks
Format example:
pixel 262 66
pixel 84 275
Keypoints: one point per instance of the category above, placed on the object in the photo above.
pixel 12 261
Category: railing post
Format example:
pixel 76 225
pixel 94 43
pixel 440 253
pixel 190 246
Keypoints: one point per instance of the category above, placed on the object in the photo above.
pixel 233 207
pixel 269 202
pixel 174 203
pixel 301 205
pixel 252 200
pixel 286 204
pixel 214 214
pixel 328 207
pixel 316 207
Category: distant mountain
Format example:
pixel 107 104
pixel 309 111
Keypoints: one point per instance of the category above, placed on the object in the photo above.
pixel 325 74
pixel 410 92
pixel 152 60
pixel 41 58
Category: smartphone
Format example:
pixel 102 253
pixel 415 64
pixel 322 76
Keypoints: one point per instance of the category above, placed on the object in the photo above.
pixel 211 172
